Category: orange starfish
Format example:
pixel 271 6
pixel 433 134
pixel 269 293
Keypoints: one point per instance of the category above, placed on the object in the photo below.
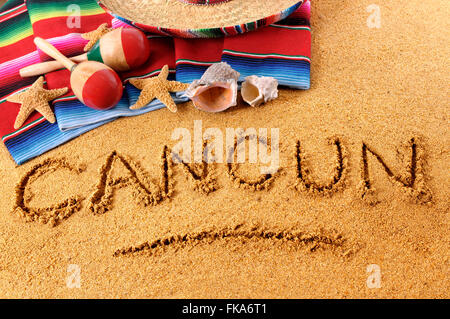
pixel 95 35
pixel 35 98
pixel 157 87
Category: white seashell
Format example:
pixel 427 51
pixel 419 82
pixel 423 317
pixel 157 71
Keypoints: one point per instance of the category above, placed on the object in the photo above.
pixel 257 90
pixel 216 91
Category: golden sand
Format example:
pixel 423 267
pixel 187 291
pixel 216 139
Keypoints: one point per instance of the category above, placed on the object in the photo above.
pixel 364 181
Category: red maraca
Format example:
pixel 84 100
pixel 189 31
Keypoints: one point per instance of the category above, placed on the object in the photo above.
pixel 95 84
pixel 122 49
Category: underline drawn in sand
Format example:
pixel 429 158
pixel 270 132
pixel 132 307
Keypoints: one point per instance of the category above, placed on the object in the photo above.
pixel 313 242
pixel 147 192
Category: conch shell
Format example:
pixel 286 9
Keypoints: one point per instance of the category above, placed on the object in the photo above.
pixel 257 90
pixel 216 91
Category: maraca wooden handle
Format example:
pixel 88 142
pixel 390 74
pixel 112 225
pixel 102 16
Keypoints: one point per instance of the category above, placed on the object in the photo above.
pixel 50 50
pixel 46 67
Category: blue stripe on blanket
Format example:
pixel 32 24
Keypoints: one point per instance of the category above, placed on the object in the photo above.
pixel 42 138
pixel 72 114
pixel 290 73
pixel 187 73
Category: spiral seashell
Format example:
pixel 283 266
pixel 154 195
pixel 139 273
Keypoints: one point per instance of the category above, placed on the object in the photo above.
pixel 258 90
pixel 216 91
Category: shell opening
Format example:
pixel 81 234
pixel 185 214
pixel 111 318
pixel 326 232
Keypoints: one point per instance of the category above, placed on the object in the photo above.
pixel 249 92
pixel 213 99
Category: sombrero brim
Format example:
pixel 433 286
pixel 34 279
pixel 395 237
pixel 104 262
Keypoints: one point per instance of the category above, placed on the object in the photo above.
pixel 174 18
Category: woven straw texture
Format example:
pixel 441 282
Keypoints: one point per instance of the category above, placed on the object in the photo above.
pixel 175 14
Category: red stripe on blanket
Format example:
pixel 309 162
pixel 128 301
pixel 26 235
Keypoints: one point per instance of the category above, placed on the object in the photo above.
pixel 15 12
pixel 17 49
pixel 284 40
pixel 202 50
pixel 60 26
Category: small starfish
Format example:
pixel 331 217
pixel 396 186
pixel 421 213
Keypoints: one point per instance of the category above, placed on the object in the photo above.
pixel 157 87
pixel 95 35
pixel 35 98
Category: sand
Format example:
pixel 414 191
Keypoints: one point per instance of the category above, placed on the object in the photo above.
pixel 372 140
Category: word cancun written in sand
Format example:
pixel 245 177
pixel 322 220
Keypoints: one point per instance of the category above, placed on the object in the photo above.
pixel 202 176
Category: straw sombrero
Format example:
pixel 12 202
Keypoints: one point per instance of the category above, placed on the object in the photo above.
pixel 201 18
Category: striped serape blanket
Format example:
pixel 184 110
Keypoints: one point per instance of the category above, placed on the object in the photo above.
pixel 268 51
